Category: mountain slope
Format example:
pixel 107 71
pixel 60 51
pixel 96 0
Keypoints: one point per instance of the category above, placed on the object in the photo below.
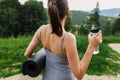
pixel 80 17
pixel 110 12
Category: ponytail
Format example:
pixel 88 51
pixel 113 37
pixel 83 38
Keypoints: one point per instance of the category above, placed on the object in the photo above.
pixel 55 19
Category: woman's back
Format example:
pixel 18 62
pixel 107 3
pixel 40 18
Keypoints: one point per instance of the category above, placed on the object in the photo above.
pixel 50 41
pixel 60 46
pixel 57 66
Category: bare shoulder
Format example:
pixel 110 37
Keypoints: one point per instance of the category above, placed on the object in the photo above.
pixel 43 27
pixel 70 44
pixel 70 37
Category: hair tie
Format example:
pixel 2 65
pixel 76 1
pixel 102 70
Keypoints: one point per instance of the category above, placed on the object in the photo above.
pixel 54 2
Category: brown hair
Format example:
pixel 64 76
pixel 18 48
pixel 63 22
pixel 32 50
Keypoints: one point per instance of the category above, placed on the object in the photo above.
pixel 57 10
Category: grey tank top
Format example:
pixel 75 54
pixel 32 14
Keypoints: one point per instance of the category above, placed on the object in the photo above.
pixel 57 67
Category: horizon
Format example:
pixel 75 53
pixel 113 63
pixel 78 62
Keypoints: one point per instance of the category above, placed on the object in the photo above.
pixel 86 5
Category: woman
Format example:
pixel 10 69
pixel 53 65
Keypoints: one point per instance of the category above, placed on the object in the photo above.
pixel 62 60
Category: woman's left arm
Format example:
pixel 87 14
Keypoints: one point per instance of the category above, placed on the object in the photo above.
pixel 33 44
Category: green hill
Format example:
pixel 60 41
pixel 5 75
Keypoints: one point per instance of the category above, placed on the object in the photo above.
pixel 80 17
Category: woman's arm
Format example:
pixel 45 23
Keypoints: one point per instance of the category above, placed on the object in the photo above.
pixel 33 44
pixel 79 67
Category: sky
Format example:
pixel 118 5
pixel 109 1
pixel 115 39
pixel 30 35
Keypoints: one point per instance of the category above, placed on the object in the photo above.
pixel 87 5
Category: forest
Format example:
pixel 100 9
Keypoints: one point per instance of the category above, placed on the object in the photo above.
pixel 17 19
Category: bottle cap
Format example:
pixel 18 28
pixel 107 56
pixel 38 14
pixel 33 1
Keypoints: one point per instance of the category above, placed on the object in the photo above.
pixel 95 29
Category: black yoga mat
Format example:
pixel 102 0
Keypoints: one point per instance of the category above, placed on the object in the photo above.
pixel 34 65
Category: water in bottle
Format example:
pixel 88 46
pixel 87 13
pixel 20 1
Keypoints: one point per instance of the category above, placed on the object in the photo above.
pixel 95 30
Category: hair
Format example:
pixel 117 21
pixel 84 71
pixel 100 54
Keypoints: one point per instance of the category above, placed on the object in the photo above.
pixel 57 10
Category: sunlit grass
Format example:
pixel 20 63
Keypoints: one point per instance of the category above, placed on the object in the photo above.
pixel 107 62
pixel 12 50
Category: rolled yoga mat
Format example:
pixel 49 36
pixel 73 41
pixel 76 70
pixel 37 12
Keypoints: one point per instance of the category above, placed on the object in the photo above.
pixel 35 64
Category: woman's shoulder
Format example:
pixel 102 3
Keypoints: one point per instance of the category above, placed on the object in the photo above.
pixel 70 37
pixel 43 28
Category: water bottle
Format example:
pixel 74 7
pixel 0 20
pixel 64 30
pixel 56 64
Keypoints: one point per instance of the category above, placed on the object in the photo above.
pixel 95 30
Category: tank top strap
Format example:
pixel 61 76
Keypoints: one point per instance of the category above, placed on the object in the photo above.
pixel 62 41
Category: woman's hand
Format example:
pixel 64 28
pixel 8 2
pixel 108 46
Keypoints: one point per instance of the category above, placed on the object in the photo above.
pixel 95 40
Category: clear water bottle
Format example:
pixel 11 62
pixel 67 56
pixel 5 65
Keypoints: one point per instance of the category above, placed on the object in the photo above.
pixel 95 30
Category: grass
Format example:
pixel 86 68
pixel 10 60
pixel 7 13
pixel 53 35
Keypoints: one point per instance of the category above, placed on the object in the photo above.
pixel 107 62
pixel 12 56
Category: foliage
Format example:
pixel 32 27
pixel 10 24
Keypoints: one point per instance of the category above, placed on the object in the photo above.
pixel 79 17
pixel 10 3
pixel 33 16
pixel 116 28
pixel 94 17
pixel 82 19
pixel 17 19
pixel 83 29
pixel 9 15
pixel 68 23
pixel 9 24
pixel 108 28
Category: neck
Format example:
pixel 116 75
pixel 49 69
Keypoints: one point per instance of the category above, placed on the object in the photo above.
pixel 63 24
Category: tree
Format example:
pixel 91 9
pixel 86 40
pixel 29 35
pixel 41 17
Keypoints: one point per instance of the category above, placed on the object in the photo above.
pixel 94 17
pixel 33 16
pixel 17 19
pixel 116 26
pixel 10 3
pixel 83 29
pixel 68 23
pixel 9 15
pixel 108 27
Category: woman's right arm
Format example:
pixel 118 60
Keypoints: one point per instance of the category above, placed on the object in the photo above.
pixel 79 67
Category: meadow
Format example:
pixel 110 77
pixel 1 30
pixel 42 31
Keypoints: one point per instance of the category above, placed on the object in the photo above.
pixel 107 62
